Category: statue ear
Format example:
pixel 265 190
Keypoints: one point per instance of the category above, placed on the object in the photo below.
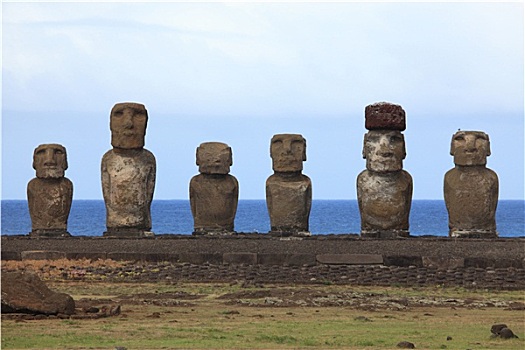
pixel 304 149
pixel 231 155
pixel 452 147
pixel 404 147
pixel 197 156
pixel 363 152
pixel 488 147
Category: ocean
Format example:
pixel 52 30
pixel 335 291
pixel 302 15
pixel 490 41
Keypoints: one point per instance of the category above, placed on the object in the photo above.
pixel 427 217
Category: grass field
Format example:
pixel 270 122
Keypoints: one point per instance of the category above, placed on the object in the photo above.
pixel 181 315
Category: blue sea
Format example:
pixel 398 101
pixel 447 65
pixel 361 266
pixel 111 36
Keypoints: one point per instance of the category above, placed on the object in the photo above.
pixel 427 217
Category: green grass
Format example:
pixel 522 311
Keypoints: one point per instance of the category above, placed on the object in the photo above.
pixel 213 324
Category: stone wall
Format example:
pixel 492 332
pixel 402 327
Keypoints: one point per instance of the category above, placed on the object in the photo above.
pixel 255 258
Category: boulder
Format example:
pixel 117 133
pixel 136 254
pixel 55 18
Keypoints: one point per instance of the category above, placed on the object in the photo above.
pixel 24 292
pixel 502 331
pixel 406 345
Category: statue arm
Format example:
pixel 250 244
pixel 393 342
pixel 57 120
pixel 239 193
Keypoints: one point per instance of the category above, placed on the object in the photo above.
pixel 69 195
pixel 495 192
pixel 268 196
pixel 151 179
pixel 309 197
pixel 105 179
pixel 235 196
pixel 192 196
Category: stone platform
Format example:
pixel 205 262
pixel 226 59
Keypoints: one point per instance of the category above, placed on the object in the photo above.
pixel 261 249
pixel 255 259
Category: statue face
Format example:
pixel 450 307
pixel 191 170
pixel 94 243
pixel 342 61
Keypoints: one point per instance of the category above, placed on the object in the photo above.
pixel 128 125
pixel 288 151
pixel 470 148
pixel 214 158
pixel 50 161
pixel 384 150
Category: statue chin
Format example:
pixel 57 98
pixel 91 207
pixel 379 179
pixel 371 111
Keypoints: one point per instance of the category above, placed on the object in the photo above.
pixel 50 174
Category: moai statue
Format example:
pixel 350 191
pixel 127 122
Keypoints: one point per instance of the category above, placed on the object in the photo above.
pixel 384 189
pixel 214 193
pixel 50 194
pixel 288 191
pixel 128 173
pixel 470 188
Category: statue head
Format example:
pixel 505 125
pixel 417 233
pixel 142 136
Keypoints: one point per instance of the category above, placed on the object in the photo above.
pixel 50 161
pixel 384 150
pixel 470 148
pixel 214 158
pixel 288 151
pixel 128 123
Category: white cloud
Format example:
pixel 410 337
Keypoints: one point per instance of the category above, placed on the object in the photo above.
pixel 300 57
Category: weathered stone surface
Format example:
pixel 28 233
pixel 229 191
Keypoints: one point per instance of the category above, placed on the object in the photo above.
pixel 470 188
pixel 240 258
pixel 288 191
pixel 214 193
pixel 10 256
pixel 384 189
pixel 437 262
pixel 288 259
pixel 201 258
pixel 26 293
pixel 50 194
pixel 42 255
pixel 502 331
pixel 128 173
pixel 385 116
pixel 384 203
pixel 350 259
pixel 402 260
pixel 406 345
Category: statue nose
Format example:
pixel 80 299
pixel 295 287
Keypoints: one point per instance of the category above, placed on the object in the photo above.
pixel 471 143
pixel 50 158
pixel 128 120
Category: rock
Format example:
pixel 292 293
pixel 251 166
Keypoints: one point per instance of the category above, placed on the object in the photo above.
pixel 501 330
pixel 496 329
pixel 26 293
pixel 406 345
pixel 506 333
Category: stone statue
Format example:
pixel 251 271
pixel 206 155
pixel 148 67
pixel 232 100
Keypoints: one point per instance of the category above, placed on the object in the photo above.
pixel 470 188
pixel 288 191
pixel 384 189
pixel 50 194
pixel 214 193
pixel 128 173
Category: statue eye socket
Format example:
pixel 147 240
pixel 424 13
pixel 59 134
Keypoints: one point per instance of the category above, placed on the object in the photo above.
pixel 395 139
pixel 459 138
pixel 118 113
pixel 58 151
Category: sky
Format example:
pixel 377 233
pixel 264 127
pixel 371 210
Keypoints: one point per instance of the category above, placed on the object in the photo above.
pixel 241 72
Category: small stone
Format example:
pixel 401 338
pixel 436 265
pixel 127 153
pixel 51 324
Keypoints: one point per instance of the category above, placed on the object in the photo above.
pixel 406 345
